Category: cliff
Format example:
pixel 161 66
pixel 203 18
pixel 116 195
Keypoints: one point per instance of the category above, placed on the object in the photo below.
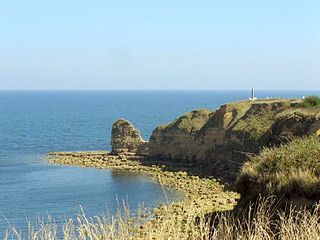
pixel 221 140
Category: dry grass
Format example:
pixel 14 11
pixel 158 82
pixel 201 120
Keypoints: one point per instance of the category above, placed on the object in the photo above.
pixel 290 172
pixel 261 223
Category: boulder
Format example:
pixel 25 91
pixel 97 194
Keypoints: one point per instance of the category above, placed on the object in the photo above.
pixel 125 139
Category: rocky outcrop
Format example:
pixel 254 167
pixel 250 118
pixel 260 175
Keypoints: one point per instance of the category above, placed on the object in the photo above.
pixel 221 140
pixel 125 138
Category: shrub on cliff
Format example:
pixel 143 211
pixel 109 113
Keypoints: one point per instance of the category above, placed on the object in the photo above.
pixel 290 172
pixel 311 101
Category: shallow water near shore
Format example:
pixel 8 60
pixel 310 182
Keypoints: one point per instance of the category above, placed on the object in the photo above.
pixel 36 122
pixel 36 189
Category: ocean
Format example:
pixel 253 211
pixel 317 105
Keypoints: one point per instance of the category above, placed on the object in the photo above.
pixel 33 123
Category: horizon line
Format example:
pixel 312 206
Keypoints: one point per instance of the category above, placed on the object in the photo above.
pixel 151 89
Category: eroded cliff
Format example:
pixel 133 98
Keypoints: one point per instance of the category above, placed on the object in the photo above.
pixel 221 140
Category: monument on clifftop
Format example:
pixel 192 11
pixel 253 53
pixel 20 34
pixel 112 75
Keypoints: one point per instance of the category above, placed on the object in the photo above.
pixel 253 97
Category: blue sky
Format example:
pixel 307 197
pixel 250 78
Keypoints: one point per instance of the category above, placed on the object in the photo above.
pixel 77 44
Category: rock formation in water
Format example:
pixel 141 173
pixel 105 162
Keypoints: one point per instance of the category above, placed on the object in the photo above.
pixel 125 138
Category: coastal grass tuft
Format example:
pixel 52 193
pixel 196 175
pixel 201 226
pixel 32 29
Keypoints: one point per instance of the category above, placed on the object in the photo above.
pixel 290 172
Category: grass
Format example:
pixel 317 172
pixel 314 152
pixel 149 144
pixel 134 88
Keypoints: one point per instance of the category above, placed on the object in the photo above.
pixel 263 223
pixel 259 118
pixel 291 172
pixel 255 124
pixel 224 117
pixel 310 102
pixel 189 122
pixel 299 113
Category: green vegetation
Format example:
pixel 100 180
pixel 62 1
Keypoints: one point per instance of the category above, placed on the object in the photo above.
pixel 255 125
pixel 310 102
pixel 240 108
pixel 225 116
pixel 299 113
pixel 291 172
pixel 190 122
pixel 259 118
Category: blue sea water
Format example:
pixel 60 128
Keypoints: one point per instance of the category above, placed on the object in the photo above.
pixel 33 123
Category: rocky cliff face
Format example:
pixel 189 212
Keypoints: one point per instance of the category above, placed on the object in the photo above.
pixel 294 123
pixel 177 139
pixel 125 138
pixel 238 126
pixel 222 139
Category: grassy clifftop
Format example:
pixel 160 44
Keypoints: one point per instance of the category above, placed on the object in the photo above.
pixel 189 122
pixel 243 126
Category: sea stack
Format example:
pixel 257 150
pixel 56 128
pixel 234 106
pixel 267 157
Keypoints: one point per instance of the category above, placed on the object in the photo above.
pixel 126 139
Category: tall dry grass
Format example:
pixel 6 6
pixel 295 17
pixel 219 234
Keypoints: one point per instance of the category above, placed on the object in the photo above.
pixel 262 222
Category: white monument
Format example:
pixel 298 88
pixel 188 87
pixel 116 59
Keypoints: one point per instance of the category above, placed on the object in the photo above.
pixel 253 97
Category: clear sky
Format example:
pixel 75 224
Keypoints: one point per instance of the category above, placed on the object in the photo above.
pixel 165 44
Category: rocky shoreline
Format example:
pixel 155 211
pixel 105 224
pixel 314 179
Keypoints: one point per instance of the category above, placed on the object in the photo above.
pixel 200 150
pixel 202 195
pixel 196 149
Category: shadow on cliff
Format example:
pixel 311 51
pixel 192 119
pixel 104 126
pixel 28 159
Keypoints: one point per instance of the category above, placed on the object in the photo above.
pixel 223 173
